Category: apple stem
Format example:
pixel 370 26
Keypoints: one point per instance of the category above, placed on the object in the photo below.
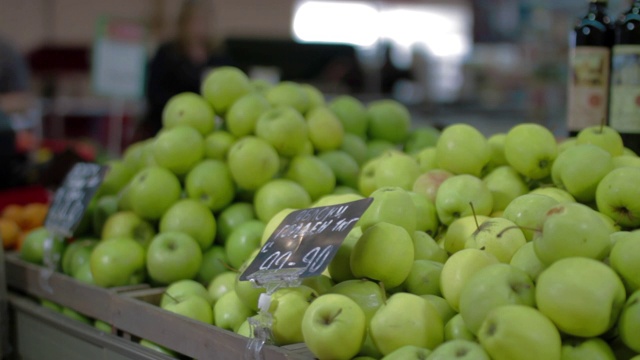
pixel 602 124
pixel 171 297
pixel 475 218
pixel 516 227
pixel 228 267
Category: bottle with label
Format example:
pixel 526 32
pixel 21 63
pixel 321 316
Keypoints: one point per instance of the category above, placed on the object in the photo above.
pixel 589 66
pixel 624 111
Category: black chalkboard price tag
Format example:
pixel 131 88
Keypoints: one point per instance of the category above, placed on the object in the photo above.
pixel 72 198
pixel 306 241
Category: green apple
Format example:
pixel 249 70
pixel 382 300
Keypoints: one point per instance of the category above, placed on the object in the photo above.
pixel 214 262
pixel 617 196
pixel 321 284
pixel 193 307
pixel 333 319
pixel 426 214
pixel 340 266
pixel 526 260
pixel 284 128
pixel 188 109
pixel 288 93
pixel 230 312
pixel 313 174
pixel 352 114
pixel 277 195
pixel 221 285
pixel 426 248
pixel 161 349
pixel 567 143
pixel 325 129
pixel 531 149
pixel 77 254
pixel 427 183
pixel 505 185
pixel 223 86
pixel 560 195
pixel 459 349
pixel 456 329
pixel 50 305
pixel 253 162
pixel 245 329
pixel 124 204
pixel 243 241
pixel 529 212
pixel 83 274
pixel 243 115
pixel 498 236
pixel 247 292
pixel 152 192
pixel 408 352
pixel 102 326
pixel 443 307
pixel 118 262
pixel 462 195
pixel 336 199
pixel 173 256
pixel 148 159
pixel 355 146
pixel 418 320
pixel 316 98
pixel 424 278
pixel 376 148
pixel 288 307
pixel 72 314
pixel 519 332
pixel 367 294
pixel 427 160
pixel 580 169
pixel 133 156
pixel 343 165
pixel 457 271
pixel 460 231
pixel 128 224
pixel 625 259
pixel 33 246
pixel 572 229
pixel 421 138
pixel 388 120
pixel 629 322
pixel 117 177
pixel 391 205
pixel 273 224
pixel 217 145
pixel 376 257
pixel 496 146
pixel 183 289
pixel 192 218
pixel 106 206
pixel 211 183
pixel 586 349
pixel 461 149
pixel 582 296
pixel 178 149
pixel 602 136
pixel 366 180
pixel 396 170
pixel 625 160
pixel 232 216
pixel 491 287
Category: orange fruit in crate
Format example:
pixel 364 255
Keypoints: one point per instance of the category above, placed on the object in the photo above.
pixel 33 216
pixel 9 232
pixel 12 212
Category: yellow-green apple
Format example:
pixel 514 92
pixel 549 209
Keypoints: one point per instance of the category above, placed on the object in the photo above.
pixel 388 120
pixel 496 147
pixel 288 307
pixel 313 174
pixel 133 156
pixel 181 290
pixel 159 348
pixel 173 256
pixel 245 329
pixel 210 182
pixel 229 312
pixel 252 162
pixel 603 136
pixel 178 149
pixel 391 205
pixel 221 285
pixel 625 259
pixel 461 149
pixel 586 349
pixel 531 149
pixel 288 93
pixel 456 329
pixel 580 169
pixel 427 183
pixel 77 254
pixel 50 305
pixel 343 165
pixel 424 278
pixel 427 160
pixel 459 349
pixel 625 160
pixel 616 196
pixel 384 252
pixel 105 206
pixel 321 284
pixel 118 262
pixel 505 185
pixel 352 114
pixel 128 224
pixel 528 212
pixel 277 195
pixel 566 144
pixel 223 86
pixel 443 307
pixel 460 267
pixel 367 294
pixel 193 218
pixel 117 177
pixel 460 231
pixel 284 128
pixel 189 109
pixel 102 326
pixel 419 320
pixel 519 332
pixel 316 98
pixel 355 146
pixel 426 248
pixel 193 307
pixel 248 293
pixel 72 314
pixel 325 129
pixel 582 296
pixel 408 352
pixel 572 229
pixel 243 115
pixel 152 191
pixel 498 236
pixel 243 241
pixel 526 260
pixel 334 319
pixel 340 266
pixel 426 214
pixel 421 138
pixel 462 195
pixel 629 323
pixel 366 180
pixel 396 170
pixel 336 199
pixel 377 148
pixel 83 274
pixel 217 145
pixel 561 196
pixel 232 216
pixel 491 287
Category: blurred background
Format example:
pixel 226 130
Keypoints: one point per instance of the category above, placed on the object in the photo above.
pixel 489 63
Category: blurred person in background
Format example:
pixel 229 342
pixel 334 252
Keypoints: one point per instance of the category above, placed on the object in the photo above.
pixel 179 64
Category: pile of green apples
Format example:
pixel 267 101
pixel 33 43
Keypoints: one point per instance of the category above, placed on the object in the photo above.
pixel 516 246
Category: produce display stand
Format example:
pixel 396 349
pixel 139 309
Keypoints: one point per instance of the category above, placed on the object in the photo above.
pixel 131 311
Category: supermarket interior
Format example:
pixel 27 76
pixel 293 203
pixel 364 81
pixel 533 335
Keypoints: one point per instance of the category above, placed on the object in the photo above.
pixel 320 179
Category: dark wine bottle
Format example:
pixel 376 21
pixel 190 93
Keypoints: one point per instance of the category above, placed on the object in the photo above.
pixel 624 112
pixel 590 66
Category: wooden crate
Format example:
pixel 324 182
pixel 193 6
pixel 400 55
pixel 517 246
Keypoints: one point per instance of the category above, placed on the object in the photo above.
pixel 133 312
